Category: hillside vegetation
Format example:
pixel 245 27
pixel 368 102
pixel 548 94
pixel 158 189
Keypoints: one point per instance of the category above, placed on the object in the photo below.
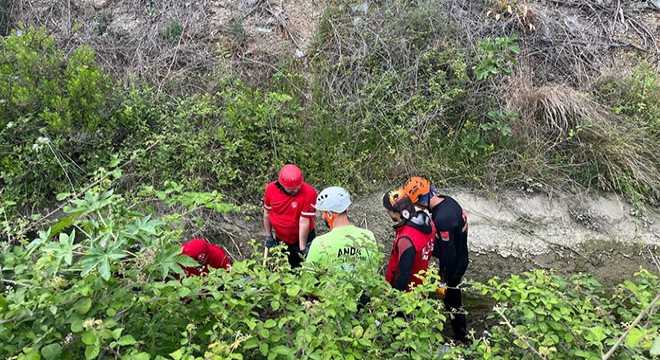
pixel 121 122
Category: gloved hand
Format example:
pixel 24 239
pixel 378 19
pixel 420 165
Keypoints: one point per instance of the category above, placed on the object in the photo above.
pixel 304 252
pixel 441 291
pixel 270 242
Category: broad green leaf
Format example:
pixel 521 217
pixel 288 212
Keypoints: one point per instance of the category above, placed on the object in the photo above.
pixel 77 326
pixel 264 333
pixel 3 303
pixel 89 337
pixel 270 323
pixel 400 322
pixel 30 355
pixel 87 266
pixel 169 261
pixel 104 269
pixel 263 349
pixel 52 351
pixel 82 306
pixel 62 196
pixel 64 223
pixel 140 356
pixel 184 291
pixel 43 237
pixel 92 352
pixel 250 322
pixel 634 337
pixel 177 355
pixel 282 350
pixel 596 334
pixel 116 333
pixel 126 340
pixel 91 260
pixel 293 290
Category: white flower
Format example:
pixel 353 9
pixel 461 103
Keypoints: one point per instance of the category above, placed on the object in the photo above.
pixel 37 146
pixel 10 125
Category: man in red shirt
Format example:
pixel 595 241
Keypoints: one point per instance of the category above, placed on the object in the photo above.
pixel 289 211
pixel 206 255
pixel 413 246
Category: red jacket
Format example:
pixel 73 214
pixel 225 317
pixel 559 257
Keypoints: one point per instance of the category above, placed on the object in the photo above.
pixel 422 241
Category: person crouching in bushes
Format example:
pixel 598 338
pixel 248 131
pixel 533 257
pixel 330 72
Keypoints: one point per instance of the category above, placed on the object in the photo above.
pixel 206 255
pixel 413 245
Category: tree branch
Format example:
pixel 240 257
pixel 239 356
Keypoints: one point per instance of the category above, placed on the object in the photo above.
pixel 634 323
pixel 501 313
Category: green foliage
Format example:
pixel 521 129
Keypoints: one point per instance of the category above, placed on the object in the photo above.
pixel 40 87
pixel 234 140
pixel 392 80
pixel 577 318
pixel 91 292
pixel 635 98
pixel 496 56
pixel 53 115
pixel 172 31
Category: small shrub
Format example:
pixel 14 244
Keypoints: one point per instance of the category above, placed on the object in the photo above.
pixel 173 31
pixel 55 116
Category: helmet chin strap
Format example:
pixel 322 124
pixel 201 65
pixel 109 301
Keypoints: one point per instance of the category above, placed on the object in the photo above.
pixel 330 218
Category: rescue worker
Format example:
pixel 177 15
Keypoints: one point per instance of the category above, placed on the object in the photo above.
pixel 451 247
pixel 206 255
pixel 289 213
pixel 345 243
pixel 413 245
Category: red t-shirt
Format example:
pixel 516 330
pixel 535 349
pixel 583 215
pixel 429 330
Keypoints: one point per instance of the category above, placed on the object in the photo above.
pixel 286 210
pixel 216 258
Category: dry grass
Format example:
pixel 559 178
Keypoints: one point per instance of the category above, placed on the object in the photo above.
pixel 557 120
pixel 154 41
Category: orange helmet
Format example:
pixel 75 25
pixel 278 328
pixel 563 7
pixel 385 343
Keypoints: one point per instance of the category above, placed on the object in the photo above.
pixel 290 176
pixel 417 187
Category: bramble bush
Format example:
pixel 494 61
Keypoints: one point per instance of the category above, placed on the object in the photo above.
pixel 101 282
pixel 393 80
pixel 544 315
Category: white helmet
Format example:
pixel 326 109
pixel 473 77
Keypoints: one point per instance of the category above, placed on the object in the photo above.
pixel 334 198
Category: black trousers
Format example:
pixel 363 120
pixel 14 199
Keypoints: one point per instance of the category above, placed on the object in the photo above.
pixel 293 251
pixel 458 320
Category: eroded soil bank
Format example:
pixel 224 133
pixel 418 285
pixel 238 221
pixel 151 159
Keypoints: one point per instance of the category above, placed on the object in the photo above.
pixel 513 232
